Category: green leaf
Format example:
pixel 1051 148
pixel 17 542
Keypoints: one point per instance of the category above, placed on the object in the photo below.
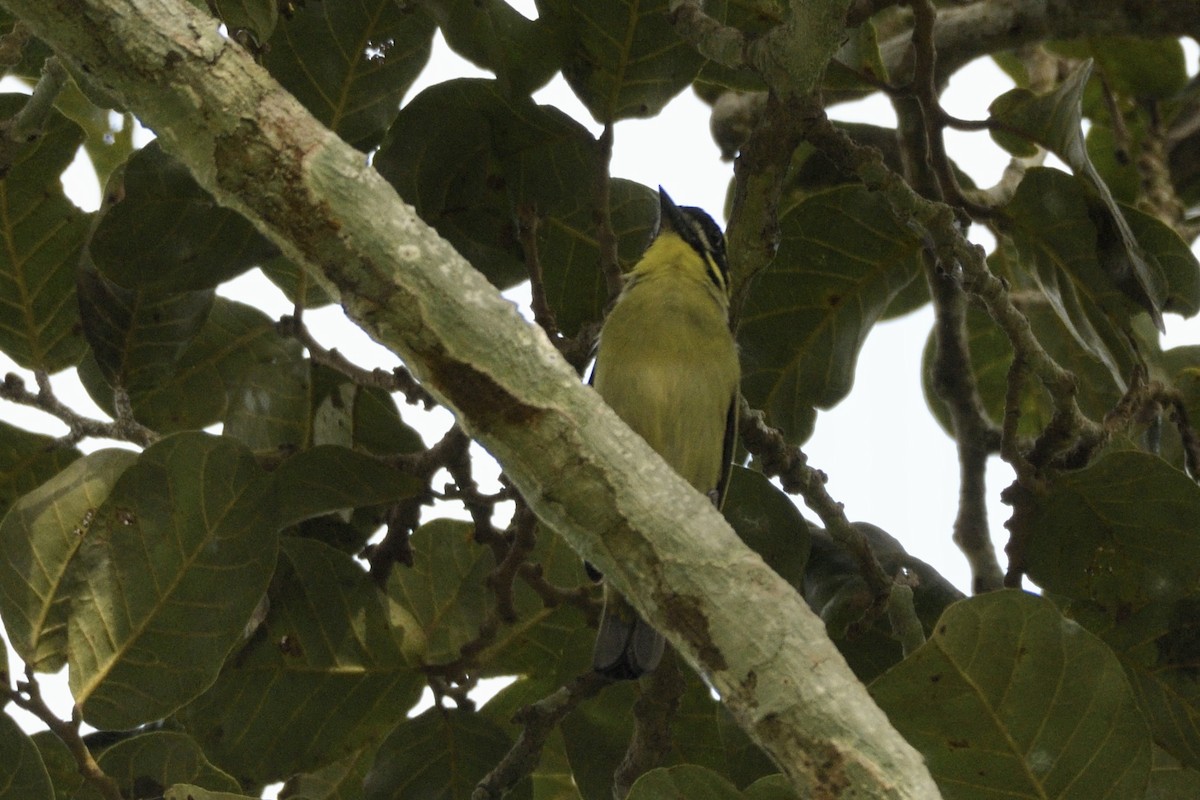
pixel 146 765
pixel 1008 698
pixel 1120 533
pixel 350 64
pixel 624 58
pixel 60 764
pixel 768 522
pixel 331 478
pixel 842 259
pixel 1132 66
pixel 1050 223
pixel 233 339
pixel 341 780
pixel 269 409
pixel 522 53
pixel 167 575
pixel 109 140
pixel 1163 246
pixel 704 733
pixel 137 335
pixel 331 657
pixel 39 538
pixel 1055 121
pixel 198 244
pixel 43 233
pixel 26 460
pixel 772 787
pixel 24 775
pixel 441 754
pixel 445 588
pixel 295 283
pixel 684 781
pixel 1169 779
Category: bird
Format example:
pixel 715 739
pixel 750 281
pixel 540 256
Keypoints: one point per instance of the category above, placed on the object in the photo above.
pixel 667 364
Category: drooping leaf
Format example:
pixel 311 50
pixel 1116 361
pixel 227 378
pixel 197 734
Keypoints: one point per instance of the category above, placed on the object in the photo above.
pixel 167 575
pixel 26 460
pixel 1008 697
pixel 198 244
pixel 269 409
pixel 330 478
pixel 445 588
pixel 295 283
pixel 522 53
pixel 60 764
pixel 842 259
pixel 1049 221
pixel 331 657
pixel 23 776
pixel 440 754
pixel 43 233
pixel 1162 245
pixel 145 765
pixel 351 63
pixel 623 58
pixel 137 335
pixel 39 538
pixel 1054 121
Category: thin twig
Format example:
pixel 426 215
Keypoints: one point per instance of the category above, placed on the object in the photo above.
pixel 902 615
pixel 653 714
pixel 543 315
pixel 539 721
pixel 28 695
pixel 606 237
pixel 123 428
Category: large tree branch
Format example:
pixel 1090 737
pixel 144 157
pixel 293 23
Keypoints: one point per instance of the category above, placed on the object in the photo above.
pixel 257 150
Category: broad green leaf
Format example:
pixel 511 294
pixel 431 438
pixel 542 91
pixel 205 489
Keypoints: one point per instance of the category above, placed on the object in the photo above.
pixel 1121 533
pixel 60 764
pixel 38 539
pixel 329 658
pixel 1172 255
pixel 684 781
pixel 137 335
pixel 1136 67
pixel 167 575
pixel 198 244
pixel 1009 699
pixel 842 258
pixel 768 522
pixel 330 478
pixel 834 588
pixel 704 733
pixel 624 58
pixel 33 55
pixel 1169 779
pixel 22 773
pixel 185 791
pixel 269 409
pixel 350 63
pixel 43 233
pixel 26 460
pixel 596 735
pixel 1050 223
pixel 445 589
pixel 146 765
pixel 233 339
pixel 522 53
pixel 341 780
pixel 441 754
pixel 1054 121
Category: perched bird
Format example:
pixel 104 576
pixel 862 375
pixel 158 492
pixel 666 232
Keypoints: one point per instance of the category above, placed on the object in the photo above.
pixel 667 364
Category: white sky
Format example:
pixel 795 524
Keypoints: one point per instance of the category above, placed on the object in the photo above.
pixel 886 459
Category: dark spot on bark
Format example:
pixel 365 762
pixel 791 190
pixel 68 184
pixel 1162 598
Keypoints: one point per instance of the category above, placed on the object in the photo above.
pixel 482 400
pixel 684 615
pixel 173 58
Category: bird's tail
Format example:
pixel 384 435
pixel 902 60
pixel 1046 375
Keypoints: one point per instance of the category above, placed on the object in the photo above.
pixel 626 647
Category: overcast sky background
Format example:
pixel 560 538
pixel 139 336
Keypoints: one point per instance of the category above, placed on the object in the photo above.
pixel 887 460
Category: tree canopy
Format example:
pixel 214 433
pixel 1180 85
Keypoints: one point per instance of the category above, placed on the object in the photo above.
pixel 261 581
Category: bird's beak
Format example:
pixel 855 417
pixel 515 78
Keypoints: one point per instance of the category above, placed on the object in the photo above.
pixel 669 215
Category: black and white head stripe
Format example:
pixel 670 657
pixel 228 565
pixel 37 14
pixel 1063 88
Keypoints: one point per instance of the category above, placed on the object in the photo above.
pixel 699 230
